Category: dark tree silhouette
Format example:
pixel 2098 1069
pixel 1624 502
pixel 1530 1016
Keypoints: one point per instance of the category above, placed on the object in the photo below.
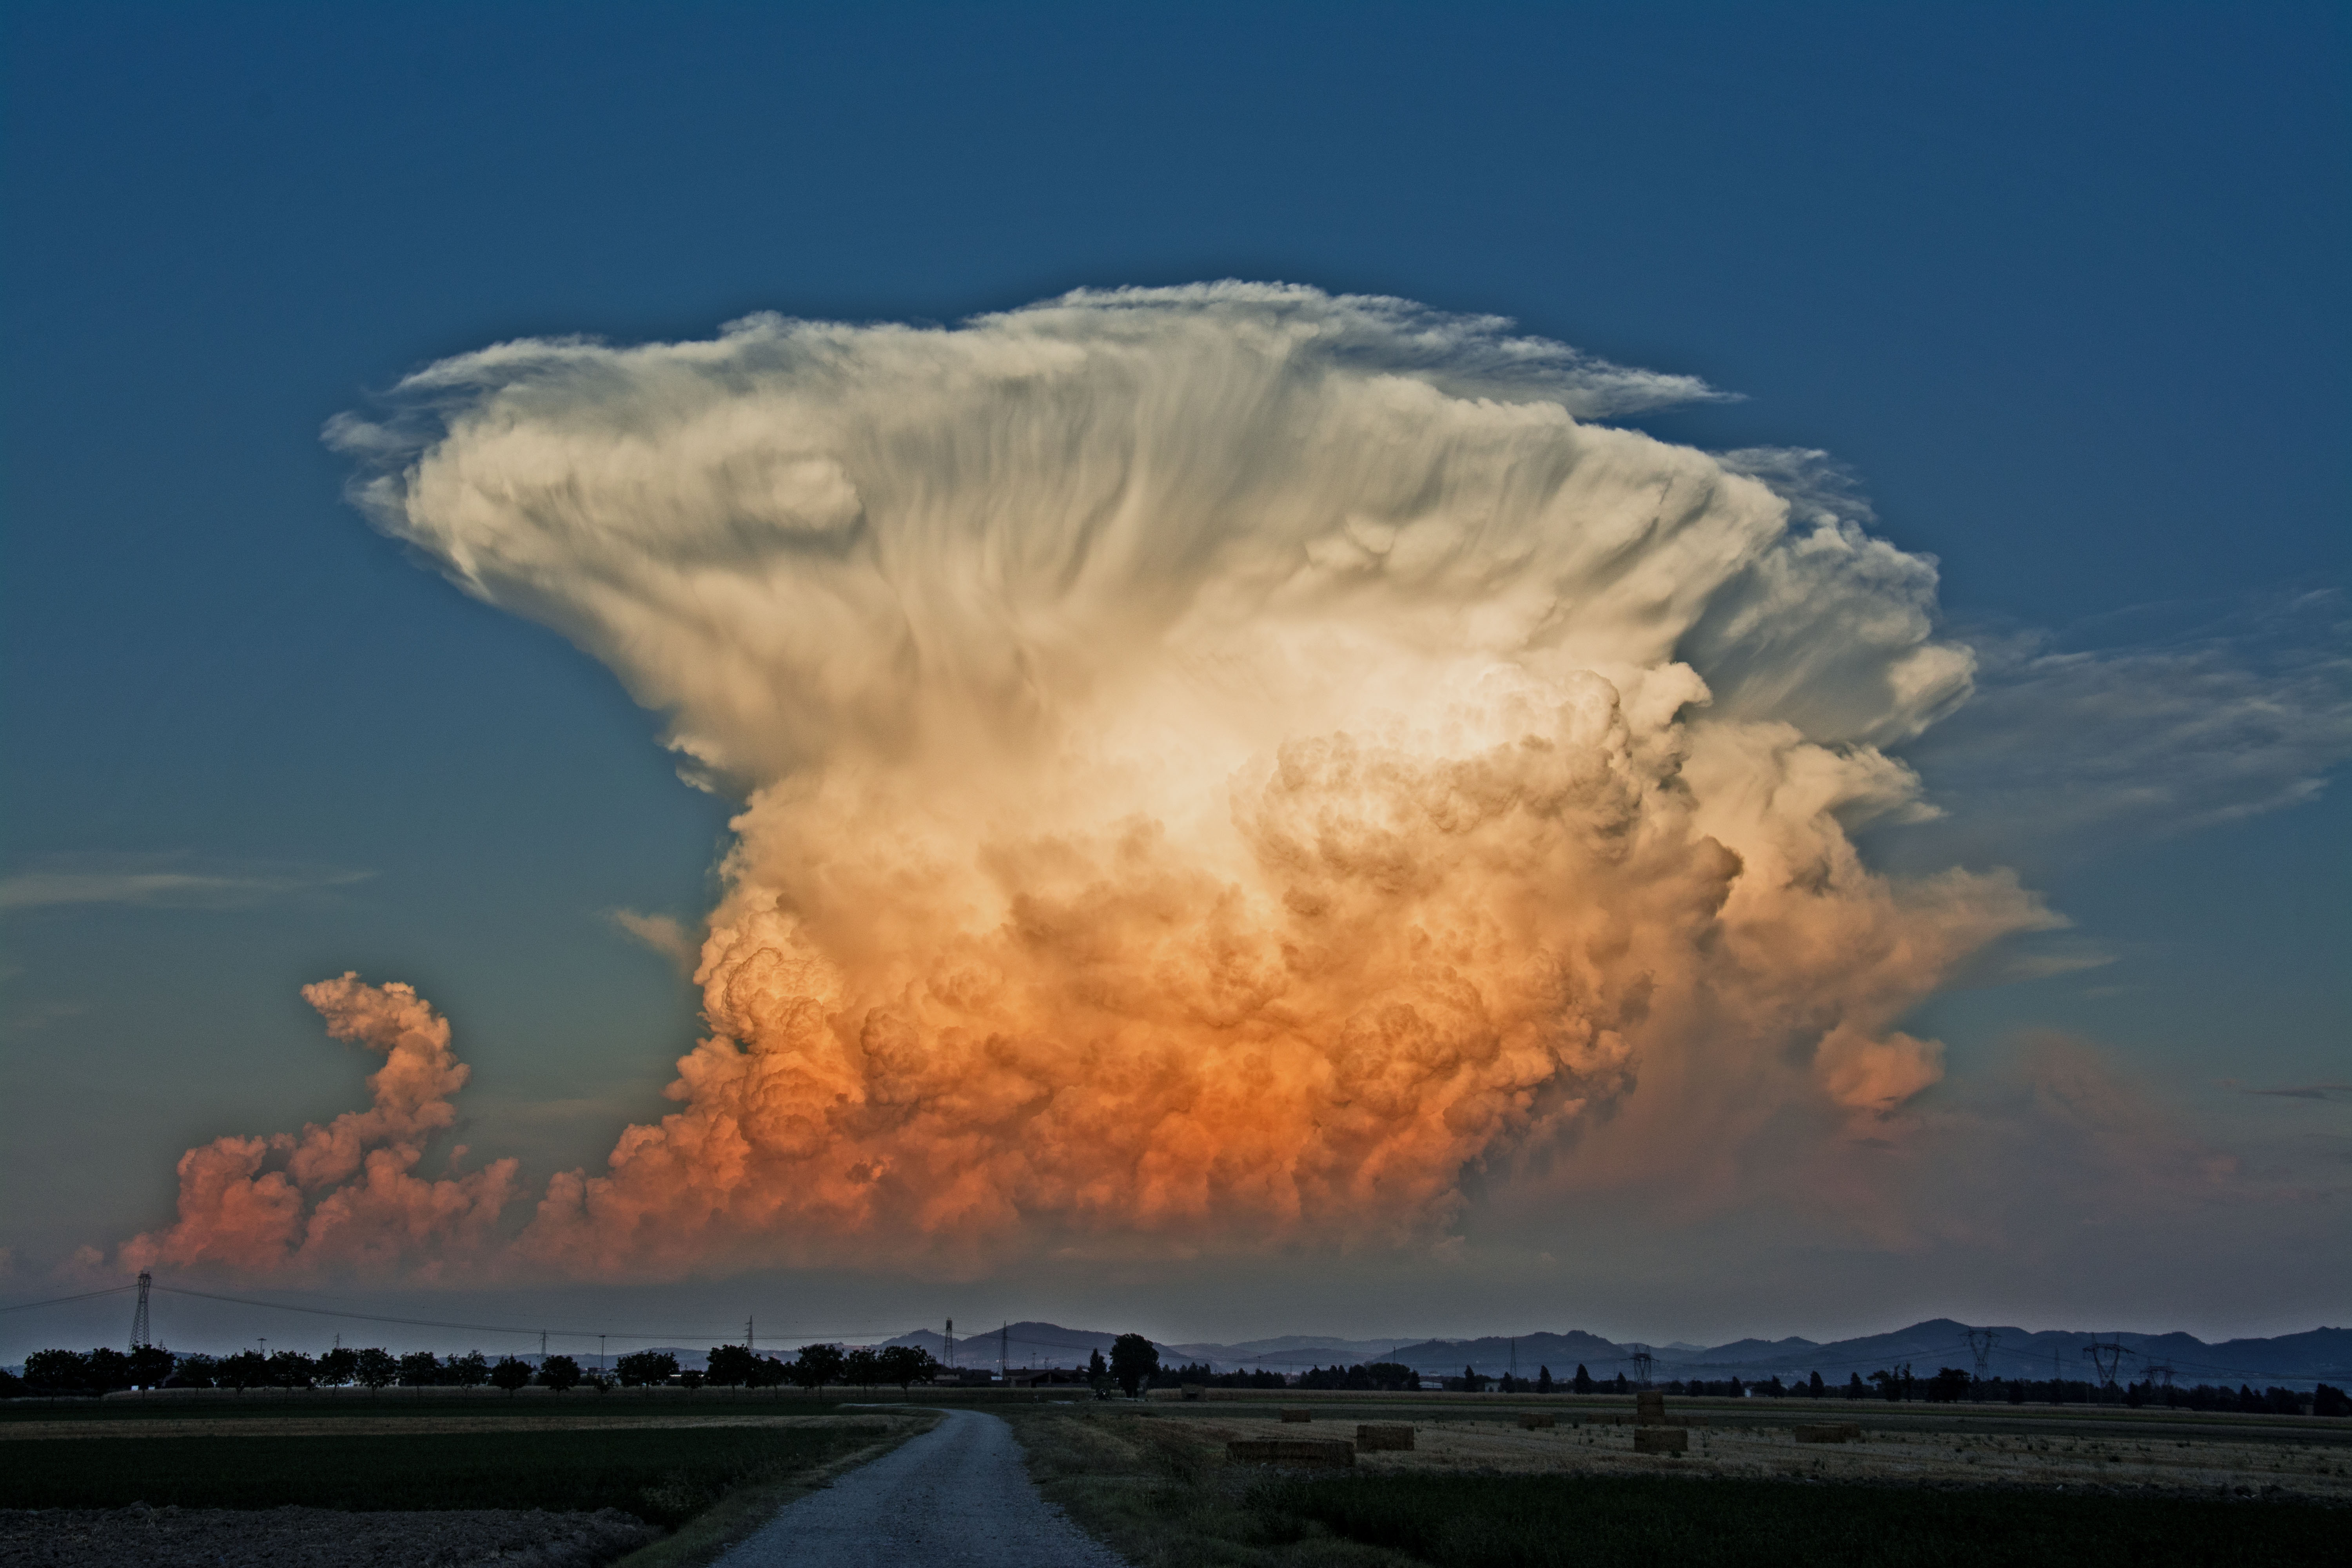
pixel 817 1366
pixel 646 1367
pixel 732 1365
pixel 193 1371
pixel 1133 1361
pixel 246 1369
pixel 149 1366
pixel 375 1367
pixel 57 1372
pixel 560 1372
pixel 510 1374
pixel 906 1365
pixel 339 1366
pixel 1584 1379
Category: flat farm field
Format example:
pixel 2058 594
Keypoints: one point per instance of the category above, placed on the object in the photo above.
pixel 334 1480
pixel 1478 1490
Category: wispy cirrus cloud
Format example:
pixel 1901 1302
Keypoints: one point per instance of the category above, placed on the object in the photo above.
pixel 2155 723
pixel 665 934
pixel 2333 1091
pixel 164 881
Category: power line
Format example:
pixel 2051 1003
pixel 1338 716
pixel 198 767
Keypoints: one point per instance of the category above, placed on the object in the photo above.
pixel 648 1336
pixel 61 1300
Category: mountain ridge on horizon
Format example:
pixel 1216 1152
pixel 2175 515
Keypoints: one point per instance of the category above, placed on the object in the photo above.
pixel 2317 1354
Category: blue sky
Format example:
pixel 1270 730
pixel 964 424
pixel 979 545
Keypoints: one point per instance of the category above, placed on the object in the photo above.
pixel 2062 285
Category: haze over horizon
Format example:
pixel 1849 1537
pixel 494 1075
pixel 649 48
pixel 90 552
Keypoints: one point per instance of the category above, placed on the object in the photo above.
pixel 1203 759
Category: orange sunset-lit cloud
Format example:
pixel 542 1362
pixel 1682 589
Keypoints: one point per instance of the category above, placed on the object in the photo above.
pixel 1218 764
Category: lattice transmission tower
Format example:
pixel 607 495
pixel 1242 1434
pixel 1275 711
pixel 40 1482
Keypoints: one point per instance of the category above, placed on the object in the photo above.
pixel 139 1340
pixel 2108 1357
pixel 1980 1343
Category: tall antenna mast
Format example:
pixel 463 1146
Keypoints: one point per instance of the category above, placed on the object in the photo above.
pixel 1003 1359
pixel 139 1340
pixel 951 1337
pixel 747 1341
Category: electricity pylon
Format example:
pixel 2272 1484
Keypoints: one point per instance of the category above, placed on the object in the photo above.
pixel 1641 1364
pixel 139 1340
pixel 2108 1358
pixel 1980 1343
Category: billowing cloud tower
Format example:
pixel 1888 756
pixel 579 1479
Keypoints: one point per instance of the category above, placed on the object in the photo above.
pixel 1219 762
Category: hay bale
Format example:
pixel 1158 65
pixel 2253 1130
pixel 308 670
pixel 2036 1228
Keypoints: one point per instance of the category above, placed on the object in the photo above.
pixel 1385 1437
pixel 1829 1431
pixel 1649 1409
pixel 1297 1412
pixel 1660 1440
pixel 1531 1420
pixel 1293 1453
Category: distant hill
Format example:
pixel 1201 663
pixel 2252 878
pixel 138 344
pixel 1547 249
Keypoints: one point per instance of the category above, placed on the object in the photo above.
pixel 1023 1344
pixel 2317 1355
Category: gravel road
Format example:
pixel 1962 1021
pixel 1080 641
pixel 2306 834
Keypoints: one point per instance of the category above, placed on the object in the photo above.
pixel 956 1497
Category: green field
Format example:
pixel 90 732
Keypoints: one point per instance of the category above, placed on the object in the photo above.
pixel 664 1476
pixel 1540 1521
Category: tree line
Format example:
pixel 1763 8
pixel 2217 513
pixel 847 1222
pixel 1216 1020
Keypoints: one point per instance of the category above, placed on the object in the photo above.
pixel 107 1371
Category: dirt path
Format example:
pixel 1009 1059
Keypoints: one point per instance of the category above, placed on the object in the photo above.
pixel 957 1497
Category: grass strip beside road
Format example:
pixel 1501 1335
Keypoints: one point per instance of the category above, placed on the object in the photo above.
pixel 742 1511
pixel 664 1476
pixel 1162 1497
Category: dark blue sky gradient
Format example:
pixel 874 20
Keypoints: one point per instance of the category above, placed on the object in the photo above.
pixel 2063 284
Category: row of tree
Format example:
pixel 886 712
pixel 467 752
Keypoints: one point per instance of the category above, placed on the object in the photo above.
pixel 1949 1384
pixel 814 1367
pixel 105 1371
pixel 1133 1365
pixel 1383 1376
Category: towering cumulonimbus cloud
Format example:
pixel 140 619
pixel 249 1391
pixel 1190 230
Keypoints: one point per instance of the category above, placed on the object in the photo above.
pixel 345 1195
pixel 1219 762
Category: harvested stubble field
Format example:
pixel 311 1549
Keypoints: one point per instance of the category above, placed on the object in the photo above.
pixel 2154 1461
pixel 574 1485
pixel 1480 1491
